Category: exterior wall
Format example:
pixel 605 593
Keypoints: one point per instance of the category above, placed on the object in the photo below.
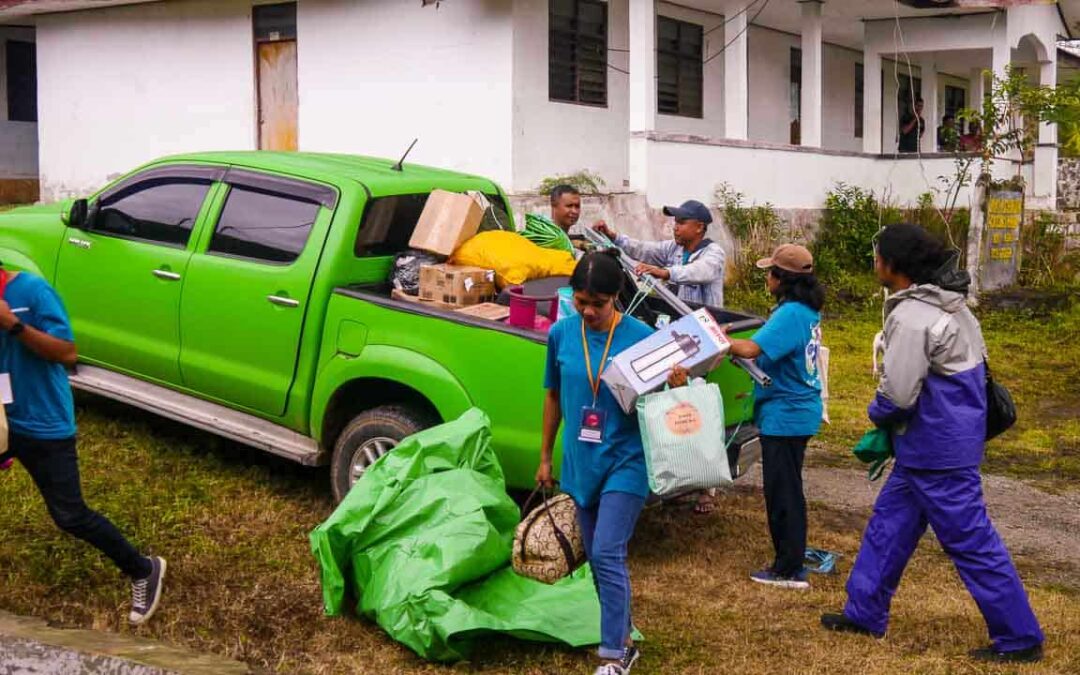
pixel 712 121
pixel 1068 178
pixel 552 137
pixel 123 85
pixel 789 178
pixel 770 110
pixel 375 75
pixel 18 140
pixel 558 138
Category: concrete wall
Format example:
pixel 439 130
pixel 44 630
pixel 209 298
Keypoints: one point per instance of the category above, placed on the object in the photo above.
pixel 770 73
pixel 712 121
pixel 121 86
pixel 375 75
pixel 788 178
pixel 551 137
pixel 18 140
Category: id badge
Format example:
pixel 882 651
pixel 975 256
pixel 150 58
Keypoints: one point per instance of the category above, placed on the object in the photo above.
pixel 592 425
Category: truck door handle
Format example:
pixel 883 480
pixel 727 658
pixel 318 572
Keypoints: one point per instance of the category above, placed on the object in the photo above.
pixel 282 302
pixel 166 275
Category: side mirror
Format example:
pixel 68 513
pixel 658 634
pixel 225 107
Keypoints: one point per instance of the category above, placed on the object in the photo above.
pixel 77 215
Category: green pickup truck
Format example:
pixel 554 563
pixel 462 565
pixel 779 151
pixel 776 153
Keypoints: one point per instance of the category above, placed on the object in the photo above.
pixel 247 294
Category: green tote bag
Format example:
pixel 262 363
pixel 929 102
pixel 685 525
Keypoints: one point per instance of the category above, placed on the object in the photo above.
pixel 682 430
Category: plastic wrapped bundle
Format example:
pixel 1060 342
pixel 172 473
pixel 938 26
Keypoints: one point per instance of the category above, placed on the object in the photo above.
pixel 405 276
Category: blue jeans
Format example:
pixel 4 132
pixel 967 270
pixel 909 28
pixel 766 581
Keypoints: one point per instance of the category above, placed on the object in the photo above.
pixel 606 528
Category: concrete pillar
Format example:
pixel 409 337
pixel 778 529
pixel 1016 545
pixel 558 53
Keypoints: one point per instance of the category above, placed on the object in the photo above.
pixel 642 94
pixel 928 69
pixel 812 88
pixel 872 102
pixel 976 89
pixel 736 73
pixel 1046 152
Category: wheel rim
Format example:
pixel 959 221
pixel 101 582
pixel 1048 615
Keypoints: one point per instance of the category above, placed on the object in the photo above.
pixel 367 454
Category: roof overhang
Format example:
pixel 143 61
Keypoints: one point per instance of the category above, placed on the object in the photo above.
pixel 14 9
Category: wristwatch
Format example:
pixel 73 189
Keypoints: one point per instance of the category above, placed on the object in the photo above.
pixel 16 329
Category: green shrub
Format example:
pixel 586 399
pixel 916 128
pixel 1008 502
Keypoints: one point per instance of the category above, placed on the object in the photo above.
pixel 845 242
pixel 1046 261
pixel 757 229
pixel 585 181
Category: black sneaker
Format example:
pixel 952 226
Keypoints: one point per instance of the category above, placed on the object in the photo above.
pixel 991 655
pixel 630 656
pixel 146 593
pixel 842 624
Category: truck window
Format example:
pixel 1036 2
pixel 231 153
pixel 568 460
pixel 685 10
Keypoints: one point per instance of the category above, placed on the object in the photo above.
pixel 263 226
pixel 161 210
pixel 389 222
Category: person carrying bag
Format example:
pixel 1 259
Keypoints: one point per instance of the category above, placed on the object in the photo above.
pixel 603 464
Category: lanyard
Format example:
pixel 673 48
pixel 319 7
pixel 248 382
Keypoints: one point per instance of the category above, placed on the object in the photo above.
pixel 595 382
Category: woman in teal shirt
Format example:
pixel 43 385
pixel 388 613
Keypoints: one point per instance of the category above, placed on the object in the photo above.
pixel 603 464
pixel 788 413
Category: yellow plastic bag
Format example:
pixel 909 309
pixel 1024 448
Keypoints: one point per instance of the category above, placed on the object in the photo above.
pixel 514 258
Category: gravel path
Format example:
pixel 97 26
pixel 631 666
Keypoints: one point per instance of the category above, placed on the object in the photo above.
pixel 1032 522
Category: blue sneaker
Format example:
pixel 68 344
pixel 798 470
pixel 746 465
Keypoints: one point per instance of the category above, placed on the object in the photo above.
pixel 770 578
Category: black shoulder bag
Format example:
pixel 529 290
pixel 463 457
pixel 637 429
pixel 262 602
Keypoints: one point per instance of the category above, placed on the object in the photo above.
pixel 1000 409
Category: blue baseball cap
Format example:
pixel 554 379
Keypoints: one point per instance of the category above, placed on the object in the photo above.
pixel 690 210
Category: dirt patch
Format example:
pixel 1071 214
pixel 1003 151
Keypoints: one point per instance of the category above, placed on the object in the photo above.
pixel 1034 524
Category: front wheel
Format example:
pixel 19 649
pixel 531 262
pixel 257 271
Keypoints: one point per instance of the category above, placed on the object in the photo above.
pixel 366 438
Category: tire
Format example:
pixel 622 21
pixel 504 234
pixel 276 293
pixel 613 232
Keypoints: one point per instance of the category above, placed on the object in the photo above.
pixel 367 437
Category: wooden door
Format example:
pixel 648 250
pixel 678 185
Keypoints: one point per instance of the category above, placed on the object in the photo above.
pixel 278 100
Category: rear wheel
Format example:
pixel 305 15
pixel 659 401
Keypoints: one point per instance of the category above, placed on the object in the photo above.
pixel 367 437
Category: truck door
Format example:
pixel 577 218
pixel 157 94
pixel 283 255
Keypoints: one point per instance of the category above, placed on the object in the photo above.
pixel 248 288
pixel 121 277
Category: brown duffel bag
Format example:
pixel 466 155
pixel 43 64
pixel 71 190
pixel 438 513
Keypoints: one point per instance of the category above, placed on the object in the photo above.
pixel 547 542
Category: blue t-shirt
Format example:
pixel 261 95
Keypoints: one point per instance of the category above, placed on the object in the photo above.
pixel 618 464
pixel 43 406
pixel 790 342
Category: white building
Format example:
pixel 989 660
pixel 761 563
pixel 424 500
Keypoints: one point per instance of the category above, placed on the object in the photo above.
pixel 778 98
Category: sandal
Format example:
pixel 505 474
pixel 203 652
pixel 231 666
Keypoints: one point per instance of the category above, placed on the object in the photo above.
pixel 706 503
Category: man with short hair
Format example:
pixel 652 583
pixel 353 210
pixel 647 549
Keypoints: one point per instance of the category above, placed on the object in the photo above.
pixel 36 347
pixel 565 206
pixel 912 126
pixel 690 261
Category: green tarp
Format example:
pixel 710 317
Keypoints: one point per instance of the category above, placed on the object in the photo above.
pixel 423 541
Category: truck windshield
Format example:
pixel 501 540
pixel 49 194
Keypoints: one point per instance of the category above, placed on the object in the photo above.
pixel 388 222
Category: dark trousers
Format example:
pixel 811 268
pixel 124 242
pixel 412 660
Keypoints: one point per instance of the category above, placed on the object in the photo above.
pixel 781 465
pixel 54 467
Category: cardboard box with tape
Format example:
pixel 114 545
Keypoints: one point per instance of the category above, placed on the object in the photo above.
pixel 456 285
pixel 696 342
pixel 448 220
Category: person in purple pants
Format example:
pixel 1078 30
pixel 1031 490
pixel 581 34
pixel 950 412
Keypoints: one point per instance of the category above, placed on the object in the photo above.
pixel 932 398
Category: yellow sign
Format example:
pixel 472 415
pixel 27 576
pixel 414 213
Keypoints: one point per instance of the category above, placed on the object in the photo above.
pixel 1001 254
pixel 1005 205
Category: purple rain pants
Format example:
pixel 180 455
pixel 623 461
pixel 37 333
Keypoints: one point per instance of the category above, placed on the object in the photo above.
pixel 950 501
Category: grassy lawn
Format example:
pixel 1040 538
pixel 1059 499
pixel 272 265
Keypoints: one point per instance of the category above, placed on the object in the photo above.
pixel 233 524
pixel 1034 356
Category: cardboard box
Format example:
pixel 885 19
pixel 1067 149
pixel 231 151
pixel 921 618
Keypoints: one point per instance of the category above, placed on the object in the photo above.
pixel 456 285
pixel 486 310
pixel 696 342
pixel 395 294
pixel 448 220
